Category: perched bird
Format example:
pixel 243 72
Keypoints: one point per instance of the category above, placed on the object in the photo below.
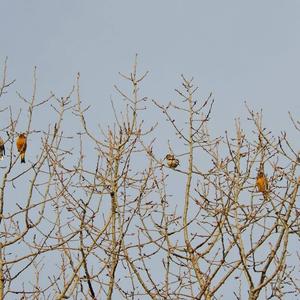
pixel 298 157
pixel 2 149
pixel 262 183
pixel 22 145
pixel 172 161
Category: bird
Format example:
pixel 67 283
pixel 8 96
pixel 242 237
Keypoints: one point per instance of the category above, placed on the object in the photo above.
pixel 22 145
pixel 262 183
pixel 2 149
pixel 298 157
pixel 172 162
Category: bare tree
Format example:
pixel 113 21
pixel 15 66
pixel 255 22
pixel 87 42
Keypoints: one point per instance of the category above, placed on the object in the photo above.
pixel 112 212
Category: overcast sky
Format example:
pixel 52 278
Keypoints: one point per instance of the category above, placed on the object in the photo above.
pixel 238 50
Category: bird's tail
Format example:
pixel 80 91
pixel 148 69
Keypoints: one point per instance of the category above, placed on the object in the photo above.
pixel 2 153
pixel 22 157
pixel 266 195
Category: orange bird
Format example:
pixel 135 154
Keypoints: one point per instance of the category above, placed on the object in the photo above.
pixel 2 149
pixel 22 145
pixel 262 182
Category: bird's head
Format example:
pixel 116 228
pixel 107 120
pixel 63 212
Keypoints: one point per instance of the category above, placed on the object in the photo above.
pixel 260 173
pixel 169 157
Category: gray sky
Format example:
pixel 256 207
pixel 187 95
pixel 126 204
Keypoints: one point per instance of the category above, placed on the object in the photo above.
pixel 239 50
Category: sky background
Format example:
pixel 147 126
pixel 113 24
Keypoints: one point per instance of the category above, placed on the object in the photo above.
pixel 238 50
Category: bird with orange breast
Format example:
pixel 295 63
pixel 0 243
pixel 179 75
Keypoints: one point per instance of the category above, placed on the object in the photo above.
pixel 2 149
pixel 262 183
pixel 22 145
pixel 172 161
